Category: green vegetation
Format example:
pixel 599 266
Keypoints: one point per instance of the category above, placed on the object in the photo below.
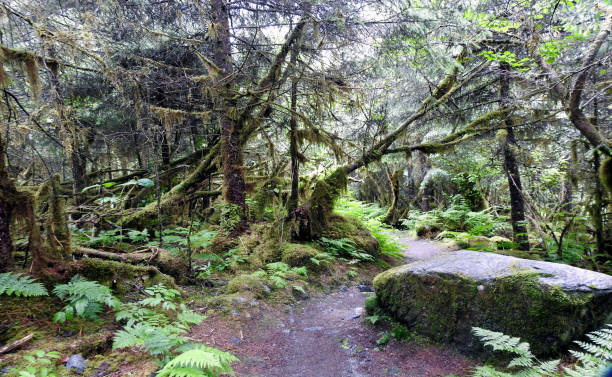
pixel 85 299
pixel 593 360
pixel 20 285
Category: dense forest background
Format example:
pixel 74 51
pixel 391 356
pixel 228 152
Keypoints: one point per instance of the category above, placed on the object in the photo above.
pixel 147 110
pixel 155 150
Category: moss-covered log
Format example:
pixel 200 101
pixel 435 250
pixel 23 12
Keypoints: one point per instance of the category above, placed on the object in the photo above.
pixel 121 277
pixel 164 260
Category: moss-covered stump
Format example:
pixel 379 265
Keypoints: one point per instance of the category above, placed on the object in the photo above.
pixel 297 254
pixel 352 229
pixel 250 283
pixel 546 304
pixel 121 277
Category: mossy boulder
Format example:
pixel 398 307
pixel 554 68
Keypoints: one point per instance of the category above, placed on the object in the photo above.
pixel 352 229
pixel 296 254
pixel 546 304
pixel 252 283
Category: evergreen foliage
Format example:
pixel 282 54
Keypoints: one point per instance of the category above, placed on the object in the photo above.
pixel 20 285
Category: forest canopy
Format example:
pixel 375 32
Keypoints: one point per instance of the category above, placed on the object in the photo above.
pixel 141 115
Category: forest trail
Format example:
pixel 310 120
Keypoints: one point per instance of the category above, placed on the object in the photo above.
pixel 416 249
pixel 327 337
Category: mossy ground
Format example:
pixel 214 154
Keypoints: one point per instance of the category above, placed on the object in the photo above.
pixel 240 288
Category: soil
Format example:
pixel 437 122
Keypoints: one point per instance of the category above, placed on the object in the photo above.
pixel 327 337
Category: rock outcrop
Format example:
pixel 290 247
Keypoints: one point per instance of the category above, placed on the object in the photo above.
pixel 546 304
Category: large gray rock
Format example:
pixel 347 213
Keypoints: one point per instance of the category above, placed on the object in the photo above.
pixel 546 304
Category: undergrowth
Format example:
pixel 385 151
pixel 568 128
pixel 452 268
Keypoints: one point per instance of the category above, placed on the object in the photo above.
pixel 457 217
pixel 595 356
pixel 371 215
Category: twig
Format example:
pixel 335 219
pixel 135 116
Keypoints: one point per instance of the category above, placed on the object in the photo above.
pixel 16 344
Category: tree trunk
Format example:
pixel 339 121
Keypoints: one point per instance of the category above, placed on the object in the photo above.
pixel 6 209
pixel 394 178
pixel 293 142
pixel 234 188
pixel 517 202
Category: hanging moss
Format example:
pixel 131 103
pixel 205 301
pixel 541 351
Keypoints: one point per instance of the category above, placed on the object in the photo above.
pixel 605 174
pixel 265 196
pixel 325 193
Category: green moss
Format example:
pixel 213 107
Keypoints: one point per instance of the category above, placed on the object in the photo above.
pixel 371 305
pixel 120 277
pixel 351 228
pixel 296 255
pixel 248 282
pixel 231 216
pixel 445 307
pixel 325 192
pixel 264 196
pixel 605 174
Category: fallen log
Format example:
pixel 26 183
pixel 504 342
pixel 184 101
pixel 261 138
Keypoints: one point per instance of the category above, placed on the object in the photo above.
pixel 164 260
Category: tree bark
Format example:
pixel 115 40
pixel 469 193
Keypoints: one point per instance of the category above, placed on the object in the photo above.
pixel 7 194
pixel 293 142
pixel 517 202
pixel 234 187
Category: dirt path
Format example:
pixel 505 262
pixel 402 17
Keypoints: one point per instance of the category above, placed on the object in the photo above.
pixel 326 337
pixel 419 249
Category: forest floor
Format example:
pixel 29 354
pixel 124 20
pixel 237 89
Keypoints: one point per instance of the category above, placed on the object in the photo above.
pixel 327 336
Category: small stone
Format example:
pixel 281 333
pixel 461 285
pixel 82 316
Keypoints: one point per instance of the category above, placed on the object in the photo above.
pixel 103 366
pixel 357 312
pixel 343 288
pixel 4 370
pixel 234 312
pixel 365 288
pixel 235 340
pixel 66 334
pixel 76 362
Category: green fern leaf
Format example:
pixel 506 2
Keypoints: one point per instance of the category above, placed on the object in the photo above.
pixel 20 285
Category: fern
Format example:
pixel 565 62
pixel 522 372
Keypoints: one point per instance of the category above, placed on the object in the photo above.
pixel 85 299
pixel 20 285
pixel 591 363
pixel 199 361
pixel 154 339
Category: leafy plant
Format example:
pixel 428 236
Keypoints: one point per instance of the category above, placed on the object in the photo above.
pixel 371 216
pixel 36 358
pixel 344 247
pixel 20 285
pixel 85 299
pixel 201 360
pixel 149 325
pixel 591 363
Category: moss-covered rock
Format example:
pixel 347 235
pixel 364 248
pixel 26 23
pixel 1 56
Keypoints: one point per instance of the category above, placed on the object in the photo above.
pixel 252 283
pixel 544 303
pixel 352 229
pixel 296 254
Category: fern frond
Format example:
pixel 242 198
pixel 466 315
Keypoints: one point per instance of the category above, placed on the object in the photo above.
pixel 20 285
pixel 501 342
pixel 187 316
pixel 202 358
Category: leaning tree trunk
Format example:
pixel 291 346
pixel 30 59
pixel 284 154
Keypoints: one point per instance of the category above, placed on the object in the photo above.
pixel 517 202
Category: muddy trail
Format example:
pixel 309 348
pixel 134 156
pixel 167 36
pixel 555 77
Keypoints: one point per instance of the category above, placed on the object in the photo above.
pixel 328 337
